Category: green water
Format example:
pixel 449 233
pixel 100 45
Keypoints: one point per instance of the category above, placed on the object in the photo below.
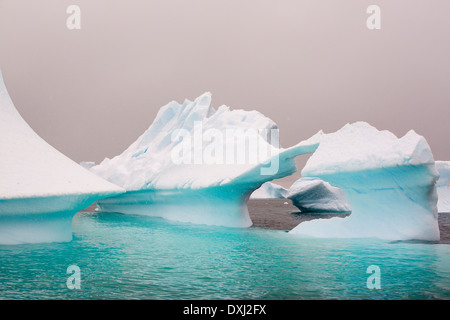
pixel 132 257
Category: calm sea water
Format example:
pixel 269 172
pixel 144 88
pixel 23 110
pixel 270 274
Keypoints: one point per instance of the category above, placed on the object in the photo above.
pixel 132 257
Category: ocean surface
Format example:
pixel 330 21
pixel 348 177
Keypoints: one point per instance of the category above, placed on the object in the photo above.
pixel 135 257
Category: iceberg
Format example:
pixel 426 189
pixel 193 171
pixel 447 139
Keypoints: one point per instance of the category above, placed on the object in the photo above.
pixel 389 182
pixel 316 195
pixel 443 167
pixel 40 188
pixel 199 165
pixel 87 164
pixel 269 190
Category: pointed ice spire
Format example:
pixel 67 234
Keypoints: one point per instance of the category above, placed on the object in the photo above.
pixel 40 188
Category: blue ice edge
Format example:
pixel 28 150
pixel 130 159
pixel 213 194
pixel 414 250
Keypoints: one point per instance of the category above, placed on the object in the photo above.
pixel 42 219
pixel 220 205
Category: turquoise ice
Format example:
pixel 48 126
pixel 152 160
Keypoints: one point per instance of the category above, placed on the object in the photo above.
pixel 389 182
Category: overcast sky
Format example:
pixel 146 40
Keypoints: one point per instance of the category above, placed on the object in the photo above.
pixel 308 65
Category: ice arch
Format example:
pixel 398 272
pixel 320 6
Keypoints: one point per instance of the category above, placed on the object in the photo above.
pixel 389 182
pixel 198 192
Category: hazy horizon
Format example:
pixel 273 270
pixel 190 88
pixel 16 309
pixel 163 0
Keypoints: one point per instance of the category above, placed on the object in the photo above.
pixel 307 65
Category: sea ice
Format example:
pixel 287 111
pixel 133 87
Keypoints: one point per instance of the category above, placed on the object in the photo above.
pixel 200 165
pixel 389 182
pixel 269 190
pixel 316 195
pixel 40 188
pixel 443 167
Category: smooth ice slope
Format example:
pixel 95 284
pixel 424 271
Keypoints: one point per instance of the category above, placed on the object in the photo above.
pixel 389 182
pixel 269 190
pixel 182 167
pixel 443 167
pixel 316 195
pixel 40 188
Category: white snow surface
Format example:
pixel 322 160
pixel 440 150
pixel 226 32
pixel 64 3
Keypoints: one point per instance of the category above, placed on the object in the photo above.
pixel 360 146
pixel 389 182
pixel 30 167
pixel 316 195
pixel 148 162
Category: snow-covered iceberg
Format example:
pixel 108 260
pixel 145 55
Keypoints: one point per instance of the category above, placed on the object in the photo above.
pixel 40 188
pixel 269 190
pixel 389 182
pixel 316 195
pixel 443 167
pixel 200 165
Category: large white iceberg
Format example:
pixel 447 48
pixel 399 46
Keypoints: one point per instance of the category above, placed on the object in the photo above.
pixel 269 190
pixel 389 182
pixel 316 195
pixel 40 188
pixel 443 167
pixel 200 165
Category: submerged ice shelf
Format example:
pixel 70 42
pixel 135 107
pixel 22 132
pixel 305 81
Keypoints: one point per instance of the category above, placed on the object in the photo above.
pixel 196 164
pixel 389 182
pixel 40 188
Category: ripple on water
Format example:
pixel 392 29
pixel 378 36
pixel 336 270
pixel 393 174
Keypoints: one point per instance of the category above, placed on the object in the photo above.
pixel 130 257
